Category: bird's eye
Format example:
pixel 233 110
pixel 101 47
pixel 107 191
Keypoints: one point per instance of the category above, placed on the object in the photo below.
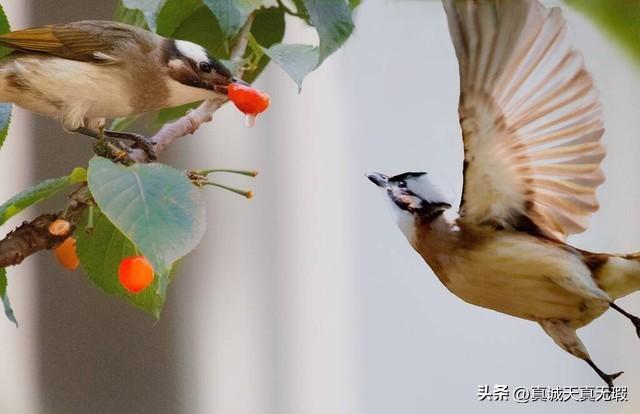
pixel 204 67
pixel 402 184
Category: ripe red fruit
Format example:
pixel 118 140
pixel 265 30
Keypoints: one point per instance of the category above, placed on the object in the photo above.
pixel 135 273
pixel 247 99
pixel 66 254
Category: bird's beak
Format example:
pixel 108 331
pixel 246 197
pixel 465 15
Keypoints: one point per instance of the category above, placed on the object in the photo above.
pixel 240 81
pixel 378 179
pixel 222 87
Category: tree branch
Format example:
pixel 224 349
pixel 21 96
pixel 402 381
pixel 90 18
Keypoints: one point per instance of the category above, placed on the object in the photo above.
pixel 189 123
pixel 31 237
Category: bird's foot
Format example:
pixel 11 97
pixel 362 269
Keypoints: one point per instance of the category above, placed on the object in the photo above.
pixel 140 141
pixel 634 319
pixel 608 378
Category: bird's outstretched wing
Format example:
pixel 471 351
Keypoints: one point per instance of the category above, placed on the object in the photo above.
pixel 89 41
pixel 530 118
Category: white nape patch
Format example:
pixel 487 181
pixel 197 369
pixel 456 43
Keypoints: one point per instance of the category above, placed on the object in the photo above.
pixel 192 51
pixel 432 191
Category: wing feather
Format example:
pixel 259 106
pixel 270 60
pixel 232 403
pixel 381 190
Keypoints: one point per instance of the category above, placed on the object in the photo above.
pixel 89 40
pixel 530 117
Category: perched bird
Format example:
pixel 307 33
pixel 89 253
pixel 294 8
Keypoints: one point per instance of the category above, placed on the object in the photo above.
pixel 531 124
pixel 84 72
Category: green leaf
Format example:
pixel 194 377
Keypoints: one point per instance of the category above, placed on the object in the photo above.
pixel 302 11
pixel 173 13
pixel 100 252
pixel 8 310
pixel 5 108
pixel 620 19
pixel 296 60
pixel 201 27
pixel 169 114
pixel 122 123
pixel 267 29
pixel 38 193
pixel 4 28
pixel 332 20
pixel 231 14
pixel 153 205
pixel 129 16
pixel 149 9
pixel 353 4
pixel 5 120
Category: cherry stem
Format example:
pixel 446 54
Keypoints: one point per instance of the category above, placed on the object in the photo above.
pixel 216 170
pixel 246 194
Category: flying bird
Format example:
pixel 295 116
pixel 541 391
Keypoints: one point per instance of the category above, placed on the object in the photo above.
pixel 531 124
pixel 84 72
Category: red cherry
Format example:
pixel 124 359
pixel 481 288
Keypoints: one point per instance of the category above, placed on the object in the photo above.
pixel 247 99
pixel 66 254
pixel 135 273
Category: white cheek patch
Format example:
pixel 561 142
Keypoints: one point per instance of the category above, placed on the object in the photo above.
pixel 192 51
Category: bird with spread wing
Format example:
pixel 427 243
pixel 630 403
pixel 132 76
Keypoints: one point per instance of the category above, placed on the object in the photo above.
pixel 531 124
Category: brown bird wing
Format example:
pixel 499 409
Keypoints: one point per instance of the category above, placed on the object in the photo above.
pixel 530 118
pixel 90 40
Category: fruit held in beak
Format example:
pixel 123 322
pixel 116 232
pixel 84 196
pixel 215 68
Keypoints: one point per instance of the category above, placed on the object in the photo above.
pixel 248 100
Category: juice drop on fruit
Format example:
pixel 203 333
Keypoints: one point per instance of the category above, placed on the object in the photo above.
pixel 250 120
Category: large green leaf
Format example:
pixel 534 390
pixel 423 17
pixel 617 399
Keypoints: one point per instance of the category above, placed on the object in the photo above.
pixel 201 27
pixel 621 19
pixel 153 205
pixel 231 14
pixel 38 193
pixel 8 310
pixel 267 30
pixel 332 20
pixel 173 13
pixel 296 60
pixel 149 9
pixel 100 252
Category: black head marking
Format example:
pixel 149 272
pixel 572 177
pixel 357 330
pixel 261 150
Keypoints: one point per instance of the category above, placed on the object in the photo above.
pixel 405 176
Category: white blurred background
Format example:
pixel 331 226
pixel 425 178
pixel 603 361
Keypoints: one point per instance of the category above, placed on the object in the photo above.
pixel 307 299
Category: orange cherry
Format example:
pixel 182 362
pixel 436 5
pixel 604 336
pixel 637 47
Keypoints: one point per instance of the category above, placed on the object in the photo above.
pixel 66 254
pixel 135 273
pixel 59 227
pixel 248 100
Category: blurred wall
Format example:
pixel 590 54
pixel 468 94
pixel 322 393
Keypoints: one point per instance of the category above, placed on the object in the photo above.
pixel 96 354
pixel 308 299
pixel 19 356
